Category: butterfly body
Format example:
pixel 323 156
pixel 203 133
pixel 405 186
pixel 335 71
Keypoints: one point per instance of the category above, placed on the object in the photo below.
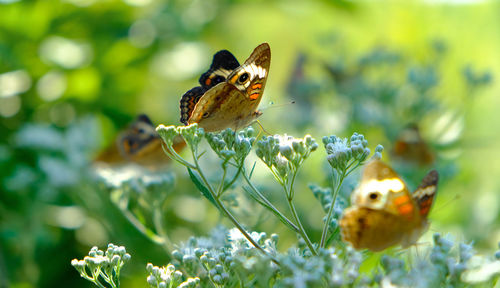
pixel 228 98
pixel 384 213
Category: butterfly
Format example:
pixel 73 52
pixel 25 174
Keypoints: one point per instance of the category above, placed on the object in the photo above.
pixel 139 143
pixel 411 148
pixel 383 212
pixel 229 93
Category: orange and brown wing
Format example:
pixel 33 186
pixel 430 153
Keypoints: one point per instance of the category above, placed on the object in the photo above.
pixel 372 229
pixel 410 147
pixel 425 193
pixel 188 102
pixel 139 143
pixel 223 106
pixel 251 77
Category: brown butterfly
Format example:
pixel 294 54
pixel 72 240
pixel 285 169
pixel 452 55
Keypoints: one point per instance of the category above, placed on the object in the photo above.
pixel 384 213
pixel 139 143
pixel 411 148
pixel 229 94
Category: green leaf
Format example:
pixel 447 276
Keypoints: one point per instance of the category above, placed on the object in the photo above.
pixel 201 187
pixel 251 171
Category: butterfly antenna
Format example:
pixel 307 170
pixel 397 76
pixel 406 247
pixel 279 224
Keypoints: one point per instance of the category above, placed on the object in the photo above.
pixel 437 209
pixel 272 105
pixel 262 129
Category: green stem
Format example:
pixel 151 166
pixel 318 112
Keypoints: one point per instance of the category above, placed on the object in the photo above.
pixel 97 283
pixel 290 194
pixel 173 155
pixel 226 211
pixel 269 204
pixel 302 231
pixel 141 228
pixel 234 178
pixel 95 277
pixel 221 184
pixel 160 228
pixel 335 191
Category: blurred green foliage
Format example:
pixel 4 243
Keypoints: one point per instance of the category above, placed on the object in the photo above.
pixel 74 72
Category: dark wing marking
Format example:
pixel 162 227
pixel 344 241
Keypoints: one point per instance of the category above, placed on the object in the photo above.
pixel 424 195
pixel 138 135
pixel 223 64
pixel 188 102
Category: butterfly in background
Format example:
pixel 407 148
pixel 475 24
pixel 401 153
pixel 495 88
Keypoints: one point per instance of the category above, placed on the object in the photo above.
pixel 139 143
pixel 384 212
pixel 411 148
pixel 229 93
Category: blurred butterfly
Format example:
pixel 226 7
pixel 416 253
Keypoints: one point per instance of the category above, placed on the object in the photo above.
pixel 384 213
pixel 140 144
pixel 229 93
pixel 409 147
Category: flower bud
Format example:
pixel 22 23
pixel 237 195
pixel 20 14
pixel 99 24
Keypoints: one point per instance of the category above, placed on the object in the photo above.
pixel 156 271
pixel 152 280
pixel 170 268
pixel 286 151
pixel 115 260
pixel 177 255
pixel 218 279
pixel 177 276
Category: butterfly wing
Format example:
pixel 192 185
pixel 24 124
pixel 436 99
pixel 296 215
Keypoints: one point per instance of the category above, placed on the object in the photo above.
pixel 373 229
pixel 383 213
pixel 222 66
pixel 188 102
pixel 140 134
pixel 381 188
pixel 410 147
pixel 251 77
pixel 424 195
pixel 223 106
pixel 139 143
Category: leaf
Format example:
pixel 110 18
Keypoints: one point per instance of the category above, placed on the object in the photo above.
pixel 201 187
pixel 251 171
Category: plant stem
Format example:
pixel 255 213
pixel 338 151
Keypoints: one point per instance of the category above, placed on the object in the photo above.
pixel 141 228
pixel 335 191
pixel 173 155
pixel 234 178
pixel 269 204
pixel 160 228
pixel 302 232
pixel 221 185
pixel 226 211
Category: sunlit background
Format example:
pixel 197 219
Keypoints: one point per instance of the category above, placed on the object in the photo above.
pixel 73 73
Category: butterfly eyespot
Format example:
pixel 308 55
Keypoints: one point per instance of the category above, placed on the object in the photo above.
pixel 205 115
pixel 374 196
pixel 243 78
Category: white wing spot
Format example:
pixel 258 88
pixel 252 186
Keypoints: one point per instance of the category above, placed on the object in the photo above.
pixel 384 186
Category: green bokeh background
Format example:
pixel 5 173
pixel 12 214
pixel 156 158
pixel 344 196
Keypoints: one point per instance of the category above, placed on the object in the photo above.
pixel 110 60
